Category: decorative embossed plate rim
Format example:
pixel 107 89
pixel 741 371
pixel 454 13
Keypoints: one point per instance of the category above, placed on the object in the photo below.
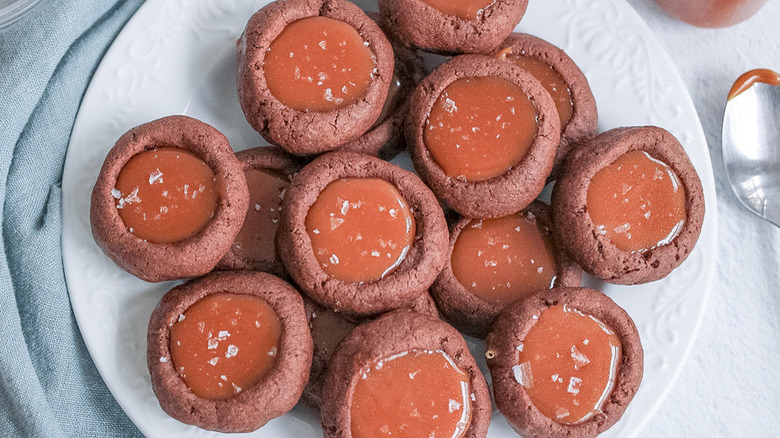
pixel 176 56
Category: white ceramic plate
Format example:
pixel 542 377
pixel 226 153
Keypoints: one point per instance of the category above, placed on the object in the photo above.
pixel 177 57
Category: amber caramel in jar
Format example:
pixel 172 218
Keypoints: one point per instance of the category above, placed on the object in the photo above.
pixel 712 13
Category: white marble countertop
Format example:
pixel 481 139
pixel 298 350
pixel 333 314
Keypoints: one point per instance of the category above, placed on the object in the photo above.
pixel 730 386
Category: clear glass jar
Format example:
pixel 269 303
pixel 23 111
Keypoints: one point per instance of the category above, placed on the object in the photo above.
pixel 712 13
pixel 12 10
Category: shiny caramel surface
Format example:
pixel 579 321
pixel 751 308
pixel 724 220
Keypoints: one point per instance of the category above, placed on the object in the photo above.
pixel 752 77
pixel 551 80
pixel 318 64
pixel 637 201
pixel 480 127
pixel 360 229
pixel 165 195
pixel 416 393
pixel 257 238
pixel 568 363
pixel 501 260
pixel 224 344
pixel 712 13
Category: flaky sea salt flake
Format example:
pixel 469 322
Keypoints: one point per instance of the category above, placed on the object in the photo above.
pixel 335 222
pixel 156 177
pixel 522 374
pixel 580 360
pixel 450 106
pixel 574 385
pixel 232 350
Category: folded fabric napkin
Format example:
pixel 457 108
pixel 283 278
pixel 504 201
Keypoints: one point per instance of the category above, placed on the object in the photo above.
pixel 49 386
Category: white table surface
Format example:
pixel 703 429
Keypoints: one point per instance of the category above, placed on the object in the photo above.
pixel 730 386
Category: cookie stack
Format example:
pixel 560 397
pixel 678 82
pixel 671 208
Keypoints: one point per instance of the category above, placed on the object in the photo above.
pixel 326 272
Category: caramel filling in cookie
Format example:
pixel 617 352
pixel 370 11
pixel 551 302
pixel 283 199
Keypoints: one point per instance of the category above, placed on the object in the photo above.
pixel 327 330
pixel 501 260
pixel 480 127
pixel 224 343
pixel 568 363
pixel 637 201
pixel 257 238
pixel 165 195
pixel 551 80
pixel 360 229
pixel 465 9
pixel 318 64
pixel 412 394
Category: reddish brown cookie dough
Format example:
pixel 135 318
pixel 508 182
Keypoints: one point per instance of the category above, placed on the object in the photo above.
pixel 308 132
pixel 503 194
pixel 584 118
pixel 593 250
pixel 474 315
pixel 397 332
pixel 269 159
pixel 251 408
pixel 421 25
pixel 509 332
pixel 197 254
pixel 385 139
pixel 328 328
pixel 408 281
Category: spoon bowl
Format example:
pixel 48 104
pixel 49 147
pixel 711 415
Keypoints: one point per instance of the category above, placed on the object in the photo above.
pixel 751 147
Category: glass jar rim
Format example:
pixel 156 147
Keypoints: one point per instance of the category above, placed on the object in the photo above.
pixel 12 11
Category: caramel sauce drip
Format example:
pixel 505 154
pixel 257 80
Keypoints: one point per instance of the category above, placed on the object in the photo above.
pixel 480 127
pixel 416 393
pixel 165 195
pixel 224 344
pixel 637 201
pixel 568 363
pixel 318 64
pixel 752 77
pixel 360 229
pixel 502 260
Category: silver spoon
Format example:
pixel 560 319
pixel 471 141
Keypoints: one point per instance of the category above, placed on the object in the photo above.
pixel 751 142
